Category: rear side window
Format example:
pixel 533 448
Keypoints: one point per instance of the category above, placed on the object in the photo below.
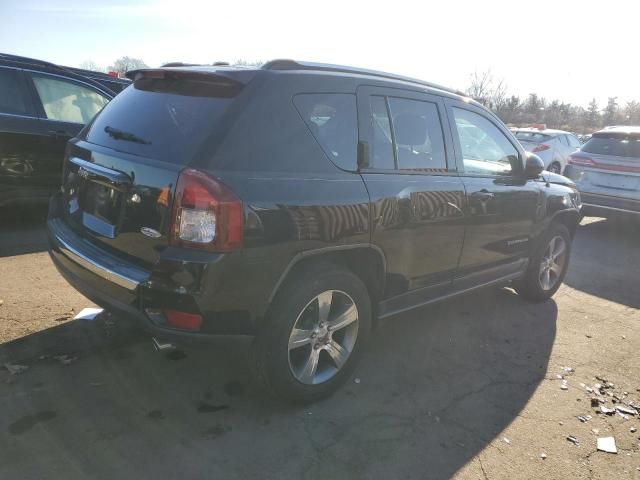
pixel 418 135
pixel 166 119
pixel 616 144
pixel 573 141
pixel 12 95
pixel 332 119
pixel 68 101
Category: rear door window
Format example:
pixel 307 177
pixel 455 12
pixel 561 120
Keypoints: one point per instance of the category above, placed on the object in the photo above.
pixel 67 101
pixel 418 135
pixel 333 121
pixel 13 93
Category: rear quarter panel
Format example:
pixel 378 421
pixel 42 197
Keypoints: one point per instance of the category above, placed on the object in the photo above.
pixel 295 199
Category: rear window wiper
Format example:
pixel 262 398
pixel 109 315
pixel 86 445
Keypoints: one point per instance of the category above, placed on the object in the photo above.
pixel 122 135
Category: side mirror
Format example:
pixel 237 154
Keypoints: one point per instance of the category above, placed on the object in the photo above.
pixel 533 166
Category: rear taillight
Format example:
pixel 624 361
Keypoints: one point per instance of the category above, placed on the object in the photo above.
pixel 206 214
pixel 581 161
pixel 541 148
pixel 184 320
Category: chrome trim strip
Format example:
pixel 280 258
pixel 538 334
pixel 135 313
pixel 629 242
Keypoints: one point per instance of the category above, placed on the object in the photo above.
pixel 106 273
pixel 31 117
pixel 454 293
pixel 113 175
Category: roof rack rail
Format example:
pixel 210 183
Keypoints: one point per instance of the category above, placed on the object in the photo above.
pixel 32 61
pixel 286 64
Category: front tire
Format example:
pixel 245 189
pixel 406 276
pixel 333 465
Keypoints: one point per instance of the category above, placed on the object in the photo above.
pixel 314 334
pixel 547 266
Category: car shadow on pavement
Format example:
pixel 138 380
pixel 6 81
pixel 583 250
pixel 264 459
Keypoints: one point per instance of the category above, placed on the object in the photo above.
pixel 435 386
pixel 22 230
pixel 605 261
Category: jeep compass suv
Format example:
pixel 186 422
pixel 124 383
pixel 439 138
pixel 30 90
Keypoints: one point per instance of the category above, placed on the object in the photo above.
pixel 300 203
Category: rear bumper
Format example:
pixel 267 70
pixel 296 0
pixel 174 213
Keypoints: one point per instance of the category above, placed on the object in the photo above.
pixel 177 282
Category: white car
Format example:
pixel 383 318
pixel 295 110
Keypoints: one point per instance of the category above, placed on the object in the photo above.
pixel 553 146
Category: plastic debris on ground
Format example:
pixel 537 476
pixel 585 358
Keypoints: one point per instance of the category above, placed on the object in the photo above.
pixel 606 410
pixel 607 444
pixel 573 440
pixel 15 369
pixel 564 385
pixel 89 313
pixel 626 410
pixel 543 456
pixel 356 380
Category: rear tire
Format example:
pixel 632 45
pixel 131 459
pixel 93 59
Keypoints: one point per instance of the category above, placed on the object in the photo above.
pixel 547 265
pixel 314 334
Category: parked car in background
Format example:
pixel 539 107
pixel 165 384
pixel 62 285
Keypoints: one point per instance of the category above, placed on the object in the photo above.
pixel 606 170
pixel 299 203
pixel 42 106
pixel 110 80
pixel 552 146
pixel 584 138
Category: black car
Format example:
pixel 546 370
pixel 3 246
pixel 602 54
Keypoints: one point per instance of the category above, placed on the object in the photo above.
pixel 300 203
pixel 42 106
pixel 110 80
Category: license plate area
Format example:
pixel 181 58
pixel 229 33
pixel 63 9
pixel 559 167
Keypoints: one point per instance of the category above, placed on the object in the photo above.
pixel 101 207
pixel 620 182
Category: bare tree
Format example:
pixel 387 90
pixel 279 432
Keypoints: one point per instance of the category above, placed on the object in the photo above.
pixel 248 63
pixel 593 114
pixel 124 64
pixel 632 113
pixel 611 114
pixel 91 65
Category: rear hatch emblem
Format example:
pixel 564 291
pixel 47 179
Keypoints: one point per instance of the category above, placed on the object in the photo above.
pixel 150 232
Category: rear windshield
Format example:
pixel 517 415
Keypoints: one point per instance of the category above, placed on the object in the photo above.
pixel 535 137
pixel 164 119
pixel 616 144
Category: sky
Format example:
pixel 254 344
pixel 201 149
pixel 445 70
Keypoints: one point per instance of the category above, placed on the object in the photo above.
pixel 563 49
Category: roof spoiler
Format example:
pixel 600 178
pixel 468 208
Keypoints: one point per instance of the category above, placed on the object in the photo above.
pixel 169 73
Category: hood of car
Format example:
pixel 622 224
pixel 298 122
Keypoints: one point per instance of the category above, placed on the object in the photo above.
pixel 557 179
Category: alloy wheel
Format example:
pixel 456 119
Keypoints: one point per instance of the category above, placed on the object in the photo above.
pixel 323 337
pixel 552 263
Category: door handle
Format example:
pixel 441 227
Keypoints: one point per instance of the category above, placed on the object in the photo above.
pixel 482 195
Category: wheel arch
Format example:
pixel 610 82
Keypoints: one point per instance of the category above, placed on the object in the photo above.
pixel 570 218
pixel 366 261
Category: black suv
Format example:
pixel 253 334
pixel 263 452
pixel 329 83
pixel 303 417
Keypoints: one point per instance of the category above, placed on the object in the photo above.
pixel 300 203
pixel 42 106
